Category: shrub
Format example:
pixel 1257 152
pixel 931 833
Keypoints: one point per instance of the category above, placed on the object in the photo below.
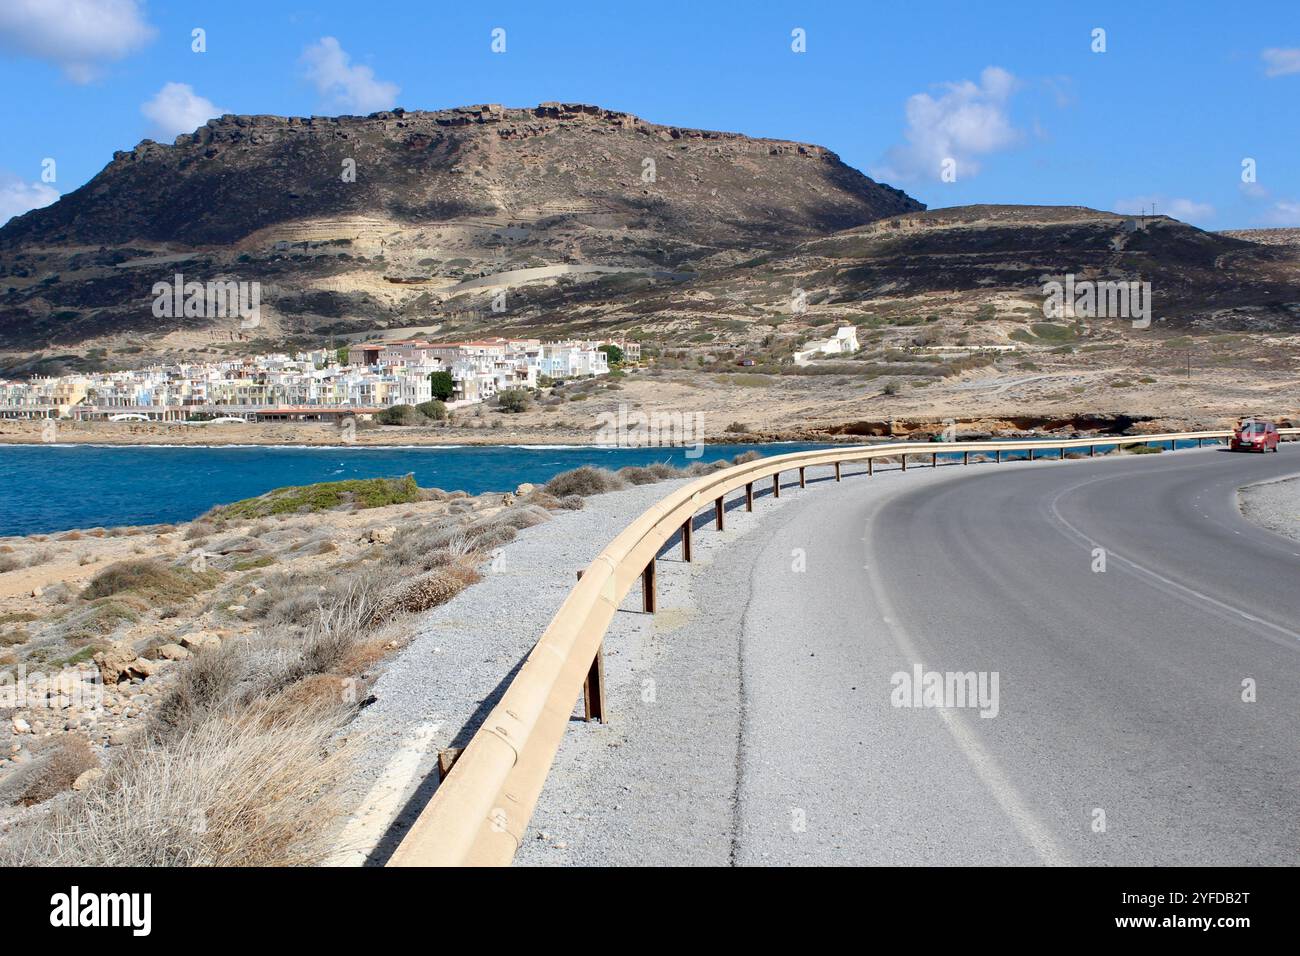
pixel 1054 333
pixel 422 593
pixel 305 499
pixel 435 410
pixel 513 400
pixel 636 475
pixel 400 415
pixel 583 481
pixel 70 756
pixel 150 579
pixel 738 427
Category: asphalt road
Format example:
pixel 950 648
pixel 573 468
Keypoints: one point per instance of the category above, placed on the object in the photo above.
pixel 1147 713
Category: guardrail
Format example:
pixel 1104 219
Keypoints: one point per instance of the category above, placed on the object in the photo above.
pixel 479 814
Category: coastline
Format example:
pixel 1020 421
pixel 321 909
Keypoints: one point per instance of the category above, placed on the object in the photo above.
pixel 524 435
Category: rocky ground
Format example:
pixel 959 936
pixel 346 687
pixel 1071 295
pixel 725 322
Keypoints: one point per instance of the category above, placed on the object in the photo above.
pixel 94 622
pixel 158 685
pixel 1274 505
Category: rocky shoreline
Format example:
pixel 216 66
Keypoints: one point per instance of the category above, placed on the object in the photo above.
pixel 315 434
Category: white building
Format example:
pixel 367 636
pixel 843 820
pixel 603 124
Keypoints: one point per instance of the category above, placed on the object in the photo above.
pixel 843 342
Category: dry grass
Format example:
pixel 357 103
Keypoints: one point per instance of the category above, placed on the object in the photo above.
pixel 69 757
pixel 150 579
pixel 240 762
pixel 429 590
pixel 583 482
pixel 243 788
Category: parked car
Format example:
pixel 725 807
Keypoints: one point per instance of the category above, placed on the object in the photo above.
pixel 1254 434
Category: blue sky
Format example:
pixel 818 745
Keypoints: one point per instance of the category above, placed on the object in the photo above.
pixel 1011 92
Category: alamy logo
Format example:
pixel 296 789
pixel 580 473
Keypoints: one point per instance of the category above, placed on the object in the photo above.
pixel 1098 300
pixel 222 299
pixel 656 430
pixel 945 689
pixel 103 909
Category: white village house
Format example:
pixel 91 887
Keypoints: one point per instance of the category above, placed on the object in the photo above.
pixel 843 342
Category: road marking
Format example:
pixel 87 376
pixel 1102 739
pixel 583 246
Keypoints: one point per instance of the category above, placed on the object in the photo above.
pixel 376 812
pixel 1142 569
pixel 1031 829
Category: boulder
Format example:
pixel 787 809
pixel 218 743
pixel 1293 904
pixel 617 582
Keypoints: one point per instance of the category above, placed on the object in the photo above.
pixel 87 777
pixel 173 652
pixel 200 641
pixel 525 489
pixel 114 664
pixel 382 535
pixel 21 726
pixel 144 668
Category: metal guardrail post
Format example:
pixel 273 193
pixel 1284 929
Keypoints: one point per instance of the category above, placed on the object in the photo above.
pixel 687 530
pixel 934 459
pixel 965 458
pixel 648 588
pixel 871 467
pixel 837 471
pixel 802 482
pixel 719 510
pixel 749 496
pixel 997 455
pixel 593 688
pixel 776 485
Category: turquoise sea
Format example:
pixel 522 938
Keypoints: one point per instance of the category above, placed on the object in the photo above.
pixel 56 487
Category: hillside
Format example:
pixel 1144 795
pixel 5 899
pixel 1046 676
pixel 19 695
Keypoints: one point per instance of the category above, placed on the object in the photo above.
pixel 591 222
pixel 439 202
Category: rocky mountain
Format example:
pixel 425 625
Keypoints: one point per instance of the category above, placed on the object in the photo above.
pixel 570 219
pixel 995 260
pixel 352 221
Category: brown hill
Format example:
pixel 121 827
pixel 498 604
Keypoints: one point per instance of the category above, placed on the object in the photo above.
pixel 439 199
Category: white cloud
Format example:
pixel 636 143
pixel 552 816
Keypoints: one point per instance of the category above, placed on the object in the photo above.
pixel 78 35
pixel 968 120
pixel 18 196
pixel 1284 212
pixel 1186 210
pixel 177 109
pixel 349 88
pixel 1280 62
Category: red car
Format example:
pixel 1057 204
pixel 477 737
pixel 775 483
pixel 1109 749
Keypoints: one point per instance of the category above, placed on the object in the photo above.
pixel 1254 434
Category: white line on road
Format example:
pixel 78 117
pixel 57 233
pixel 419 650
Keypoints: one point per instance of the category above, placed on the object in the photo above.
pixel 1031 829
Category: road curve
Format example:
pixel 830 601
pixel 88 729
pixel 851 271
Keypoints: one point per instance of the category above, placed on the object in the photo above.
pixel 1120 734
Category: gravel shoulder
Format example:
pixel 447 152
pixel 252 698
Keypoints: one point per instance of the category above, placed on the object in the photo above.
pixel 661 783
pixel 435 692
pixel 1274 505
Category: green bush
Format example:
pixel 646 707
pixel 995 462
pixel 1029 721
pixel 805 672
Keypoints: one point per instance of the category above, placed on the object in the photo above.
pixel 513 400
pixel 400 415
pixel 304 499
pixel 434 409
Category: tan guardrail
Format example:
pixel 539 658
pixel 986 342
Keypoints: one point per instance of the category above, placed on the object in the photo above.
pixel 479 813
